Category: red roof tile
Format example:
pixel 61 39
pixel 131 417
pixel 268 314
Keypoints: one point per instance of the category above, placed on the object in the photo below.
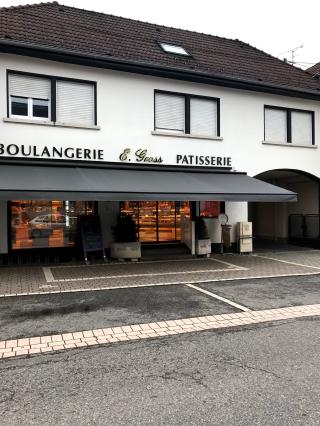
pixel 315 70
pixel 91 33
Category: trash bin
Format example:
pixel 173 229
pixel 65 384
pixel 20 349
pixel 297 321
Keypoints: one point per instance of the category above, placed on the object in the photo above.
pixel 225 237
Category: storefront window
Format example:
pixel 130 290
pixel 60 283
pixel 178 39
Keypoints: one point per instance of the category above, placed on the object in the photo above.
pixel 210 209
pixel 157 221
pixel 40 224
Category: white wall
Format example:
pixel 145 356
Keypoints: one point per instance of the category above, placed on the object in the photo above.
pixel 125 106
pixel 237 212
pixel 126 116
pixel 3 227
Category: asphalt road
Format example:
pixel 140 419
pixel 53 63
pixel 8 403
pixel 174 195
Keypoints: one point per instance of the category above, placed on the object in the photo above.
pixel 261 375
pixel 67 312
pixel 269 293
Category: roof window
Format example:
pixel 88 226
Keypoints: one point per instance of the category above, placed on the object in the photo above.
pixel 173 48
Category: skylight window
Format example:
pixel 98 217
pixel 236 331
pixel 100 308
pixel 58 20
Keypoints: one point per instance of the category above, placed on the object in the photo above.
pixel 173 48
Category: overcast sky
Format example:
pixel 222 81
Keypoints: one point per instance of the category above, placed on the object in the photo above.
pixel 274 26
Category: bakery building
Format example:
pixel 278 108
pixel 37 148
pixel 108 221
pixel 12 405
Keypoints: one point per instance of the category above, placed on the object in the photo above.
pixel 102 115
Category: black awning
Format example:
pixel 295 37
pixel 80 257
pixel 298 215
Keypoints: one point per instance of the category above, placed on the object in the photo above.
pixel 94 183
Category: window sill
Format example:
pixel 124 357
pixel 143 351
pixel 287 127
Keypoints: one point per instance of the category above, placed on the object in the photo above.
pixel 185 135
pixel 49 123
pixel 292 145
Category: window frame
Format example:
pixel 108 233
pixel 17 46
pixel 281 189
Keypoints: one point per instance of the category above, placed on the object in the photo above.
pixel 185 55
pixel 289 123
pixel 187 111
pixel 30 104
pixel 12 250
pixel 52 101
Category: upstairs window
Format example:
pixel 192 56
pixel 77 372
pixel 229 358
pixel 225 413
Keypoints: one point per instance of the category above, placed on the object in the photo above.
pixel 75 102
pixel 173 48
pixel 29 97
pixel 285 125
pixel 203 117
pixel 186 114
pixel 302 127
pixel 52 99
pixel 170 112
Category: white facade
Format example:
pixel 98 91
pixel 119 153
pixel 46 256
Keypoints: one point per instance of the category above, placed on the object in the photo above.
pixel 125 120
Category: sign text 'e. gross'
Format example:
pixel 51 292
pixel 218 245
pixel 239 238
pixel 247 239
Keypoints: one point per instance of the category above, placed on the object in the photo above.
pixel 142 155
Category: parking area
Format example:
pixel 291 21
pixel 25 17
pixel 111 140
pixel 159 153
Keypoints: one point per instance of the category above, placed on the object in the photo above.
pixel 29 280
pixel 271 293
pixel 62 313
pixel 53 322
pixel 71 306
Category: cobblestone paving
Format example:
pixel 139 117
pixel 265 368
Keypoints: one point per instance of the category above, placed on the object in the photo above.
pixel 308 257
pixel 58 342
pixel 22 280
pixel 139 268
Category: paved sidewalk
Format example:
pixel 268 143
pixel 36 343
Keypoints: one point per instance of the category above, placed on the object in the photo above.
pixel 44 344
pixel 28 280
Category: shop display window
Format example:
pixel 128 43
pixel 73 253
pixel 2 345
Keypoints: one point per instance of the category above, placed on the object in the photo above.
pixel 43 224
pixel 157 221
pixel 210 209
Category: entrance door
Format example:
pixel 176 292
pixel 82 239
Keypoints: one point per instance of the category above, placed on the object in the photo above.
pixel 147 223
pixel 157 221
pixel 166 221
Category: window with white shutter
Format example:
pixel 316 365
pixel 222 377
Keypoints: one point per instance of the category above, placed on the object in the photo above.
pixel 186 114
pixel 286 125
pixel 275 125
pixel 203 117
pixel 29 96
pixel 52 99
pixel 169 112
pixel 301 127
pixel 75 103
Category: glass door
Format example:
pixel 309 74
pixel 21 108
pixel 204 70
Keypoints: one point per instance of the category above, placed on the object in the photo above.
pixel 166 221
pixel 147 221
pixel 157 221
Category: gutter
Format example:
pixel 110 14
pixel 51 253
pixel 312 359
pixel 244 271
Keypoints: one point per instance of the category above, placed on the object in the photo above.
pixel 79 58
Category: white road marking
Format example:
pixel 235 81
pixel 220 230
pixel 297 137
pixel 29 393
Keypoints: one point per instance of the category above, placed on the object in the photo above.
pixel 48 275
pixel 48 286
pixel 228 263
pixel 149 274
pixel 142 262
pixel 286 261
pixel 216 280
pixel 287 252
pixel 222 299
pixel 50 278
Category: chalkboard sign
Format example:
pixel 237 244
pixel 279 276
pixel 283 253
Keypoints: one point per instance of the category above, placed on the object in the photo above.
pixel 89 229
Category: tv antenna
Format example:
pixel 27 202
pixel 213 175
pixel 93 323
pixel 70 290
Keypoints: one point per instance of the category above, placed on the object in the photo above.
pixel 292 53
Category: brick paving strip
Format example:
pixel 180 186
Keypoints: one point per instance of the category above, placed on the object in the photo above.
pixel 37 345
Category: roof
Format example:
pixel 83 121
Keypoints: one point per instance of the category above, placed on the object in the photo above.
pixel 314 70
pixel 54 27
